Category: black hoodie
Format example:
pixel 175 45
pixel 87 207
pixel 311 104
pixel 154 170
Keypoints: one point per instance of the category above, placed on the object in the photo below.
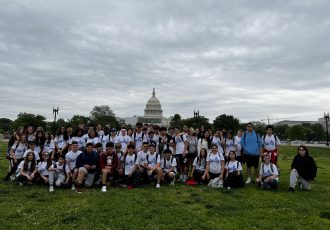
pixel 305 166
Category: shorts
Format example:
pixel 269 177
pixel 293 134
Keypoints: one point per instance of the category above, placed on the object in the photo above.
pixel 180 160
pixel 252 161
pixel 214 175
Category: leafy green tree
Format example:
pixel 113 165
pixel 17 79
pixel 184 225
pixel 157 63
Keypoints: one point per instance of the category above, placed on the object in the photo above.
pixel 176 121
pixel 280 131
pixel 6 125
pixel 227 122
pixel 104 115
pixel 26 119
pixel 76 119
pixel 197 122
pixel 296 132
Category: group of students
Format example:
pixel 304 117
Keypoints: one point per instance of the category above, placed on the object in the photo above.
pixel 151 154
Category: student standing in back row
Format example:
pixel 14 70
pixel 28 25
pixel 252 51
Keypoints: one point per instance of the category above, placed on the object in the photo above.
pixel 251 144
pixel 271 144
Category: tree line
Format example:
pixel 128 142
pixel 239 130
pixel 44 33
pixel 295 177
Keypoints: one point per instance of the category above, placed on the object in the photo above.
pixel 106 117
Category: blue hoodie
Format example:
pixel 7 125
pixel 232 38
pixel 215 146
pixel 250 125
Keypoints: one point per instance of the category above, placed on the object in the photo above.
pixel 251 143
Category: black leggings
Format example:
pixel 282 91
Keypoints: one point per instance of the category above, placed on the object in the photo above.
pixel 13 167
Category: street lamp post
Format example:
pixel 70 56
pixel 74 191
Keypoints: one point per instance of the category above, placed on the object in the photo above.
pixel 55 112
pixel 326 117
pixel 196 116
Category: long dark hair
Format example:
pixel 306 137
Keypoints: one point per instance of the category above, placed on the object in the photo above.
pixel 208 139
pixel 200 157
pixel 77 132
pixel 64 133
pixel 26 163
pixel 40 141
pixel 49 139
pixel 304 147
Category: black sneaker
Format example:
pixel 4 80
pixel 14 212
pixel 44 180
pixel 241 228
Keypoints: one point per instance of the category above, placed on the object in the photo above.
pixel 79 188
pixel 290 189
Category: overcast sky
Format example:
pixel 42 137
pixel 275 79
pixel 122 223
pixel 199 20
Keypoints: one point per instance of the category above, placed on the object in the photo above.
pixel 251 59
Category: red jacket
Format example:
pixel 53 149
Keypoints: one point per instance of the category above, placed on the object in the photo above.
pixel 114 161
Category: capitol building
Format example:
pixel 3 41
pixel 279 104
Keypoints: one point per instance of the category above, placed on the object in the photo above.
pixel 153 114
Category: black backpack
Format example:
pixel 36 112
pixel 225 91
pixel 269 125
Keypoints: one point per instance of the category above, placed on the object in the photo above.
pixel 264 137
pixel 147 157
pixel 166 160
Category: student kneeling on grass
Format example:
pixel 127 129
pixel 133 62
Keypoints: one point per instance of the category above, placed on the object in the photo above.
pixel 152 164
pixel 199 165
pixel 215 163
pixel 303 169
pixel 87 163
pixel 169 167
pixel 43 166
pixel 27 169
pixel 268 173
pixel 234 177
pixel 108 164
pixel 58 172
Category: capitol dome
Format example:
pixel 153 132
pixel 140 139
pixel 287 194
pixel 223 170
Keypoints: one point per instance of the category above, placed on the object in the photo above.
pixel 153 113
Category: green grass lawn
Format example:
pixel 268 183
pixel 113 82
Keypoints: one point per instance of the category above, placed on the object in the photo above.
pixel 178 207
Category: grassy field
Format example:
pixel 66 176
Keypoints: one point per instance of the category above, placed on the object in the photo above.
pixel 178 207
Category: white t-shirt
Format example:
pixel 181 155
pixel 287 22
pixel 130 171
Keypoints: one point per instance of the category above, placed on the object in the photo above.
pixel 21 167
pixel 151 160
pixel 60 168
pixel 238 145
pixel 167 165
pixel 200 167
pixel 36 154
pixel 269 142
pixel 94 140
pixel 202 144
pixel 165 144
pixel 141 157
pixel 180 143
pixel 129 163
pixel 49 146
pixel 230 145
pixel 71 158
pixel 217 141
pixel 231 166
pixel 123 140
pixel 81 141
pixel 138 140
pixel 42 168
pixel 266 170
pixel 59 140
pixel 19 150
pixel 215 162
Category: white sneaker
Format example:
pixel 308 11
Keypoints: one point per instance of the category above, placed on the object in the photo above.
pixel 228 188
pixel 248 181
pixel 157 185
pixel 172 182
pixel 20 184
pixel 104 189
pixel 51 189
pixel 73 188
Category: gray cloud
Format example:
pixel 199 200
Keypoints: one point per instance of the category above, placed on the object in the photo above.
pixel 252 60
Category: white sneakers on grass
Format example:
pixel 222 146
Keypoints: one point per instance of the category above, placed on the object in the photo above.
pixel 248 181
pixel 51 189
pixel 73 188
pixel 157 185
pixel 172 182
pixel 104 189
